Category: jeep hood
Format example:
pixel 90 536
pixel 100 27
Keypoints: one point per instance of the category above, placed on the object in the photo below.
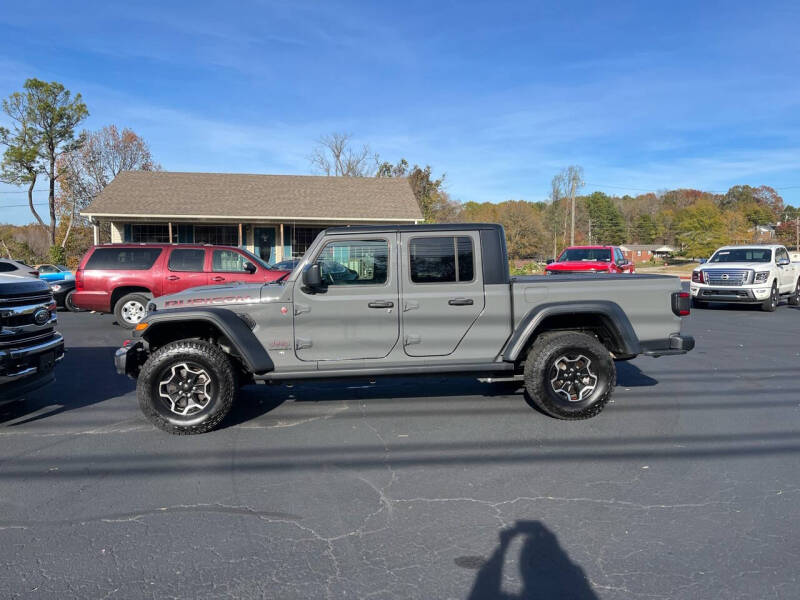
pixel 220 295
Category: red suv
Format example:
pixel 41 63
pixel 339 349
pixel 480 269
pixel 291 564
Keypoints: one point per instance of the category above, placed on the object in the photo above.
pixel 590 259
pixel 121 278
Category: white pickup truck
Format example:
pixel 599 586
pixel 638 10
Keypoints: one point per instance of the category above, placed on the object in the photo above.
pixel 747 274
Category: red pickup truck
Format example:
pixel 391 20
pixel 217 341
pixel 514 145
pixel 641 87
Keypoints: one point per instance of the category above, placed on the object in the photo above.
pixel 590 259
pixel 121 278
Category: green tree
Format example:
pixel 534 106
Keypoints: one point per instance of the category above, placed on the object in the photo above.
pixel 434 202
pixel 45 116
pixel 700 229
pixel 606 223
pixel 645 229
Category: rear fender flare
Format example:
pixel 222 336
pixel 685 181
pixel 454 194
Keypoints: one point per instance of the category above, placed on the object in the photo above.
pixel 612 315
pixel 255 357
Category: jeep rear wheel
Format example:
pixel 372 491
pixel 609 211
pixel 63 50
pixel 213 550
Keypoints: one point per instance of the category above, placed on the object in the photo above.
pixel 187 387
pixel 569 375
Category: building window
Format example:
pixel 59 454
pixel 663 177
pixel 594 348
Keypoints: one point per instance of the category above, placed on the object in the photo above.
pixel 219 235
pixel 638 253
pixel 301 238
pixel 152 234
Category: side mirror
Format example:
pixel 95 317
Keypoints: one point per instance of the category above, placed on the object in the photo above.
pixel 550 261
pixel 312 278
pixel 782 262
pixel 702 261
pixel 250 268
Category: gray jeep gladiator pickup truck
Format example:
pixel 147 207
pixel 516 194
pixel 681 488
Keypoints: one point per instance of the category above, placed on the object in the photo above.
pixel 407 300
pixel 29 344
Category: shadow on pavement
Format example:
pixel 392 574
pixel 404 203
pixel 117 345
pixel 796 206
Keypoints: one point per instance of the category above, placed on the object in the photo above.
pixel 546 571
pixel 84 377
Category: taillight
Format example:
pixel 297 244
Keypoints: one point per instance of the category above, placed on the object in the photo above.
pixel 34 273
pixel 698 277
pixel 681 303
pixel 79 280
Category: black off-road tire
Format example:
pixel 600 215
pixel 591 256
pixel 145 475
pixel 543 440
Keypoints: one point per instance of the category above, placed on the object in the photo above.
pixel 771 303
pixel 69 304
pixel 126 301
pixel 200 355
pixel 540 365
pixel 794 299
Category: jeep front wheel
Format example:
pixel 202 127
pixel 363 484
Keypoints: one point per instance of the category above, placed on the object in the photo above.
pixel 569 375
pixel 187 387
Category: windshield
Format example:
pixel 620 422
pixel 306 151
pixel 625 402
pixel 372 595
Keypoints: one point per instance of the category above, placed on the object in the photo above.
pixel 578 254
pixel 759 255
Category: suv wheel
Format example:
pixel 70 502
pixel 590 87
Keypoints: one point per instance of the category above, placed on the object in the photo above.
pixel 130 309
pixel 771 303
pixel 569 375
pixel 794 299
pixel 187 387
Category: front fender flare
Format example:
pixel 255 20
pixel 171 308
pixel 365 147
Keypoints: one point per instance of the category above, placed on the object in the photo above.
pixel 240 335
pixel 611 313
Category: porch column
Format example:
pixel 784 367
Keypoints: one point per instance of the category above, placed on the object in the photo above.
pixel 169 231
pixel 240 235
pixel 279 249
pixel 95 232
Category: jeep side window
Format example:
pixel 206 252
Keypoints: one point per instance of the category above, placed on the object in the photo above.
pixel 354 262
pixel 187 260
pixel 441 259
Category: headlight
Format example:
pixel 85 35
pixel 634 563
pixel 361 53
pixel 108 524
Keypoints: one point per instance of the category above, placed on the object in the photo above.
pixel 55 288
pixel 761 277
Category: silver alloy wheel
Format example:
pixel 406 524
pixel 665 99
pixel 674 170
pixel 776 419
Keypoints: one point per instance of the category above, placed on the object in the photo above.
pixel 132 311
pixel 185 389
pixel 773 297
pixel 573 378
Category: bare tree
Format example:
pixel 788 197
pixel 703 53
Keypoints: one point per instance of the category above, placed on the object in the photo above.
pixel 569 181
pixel 335 155
pixel 86 170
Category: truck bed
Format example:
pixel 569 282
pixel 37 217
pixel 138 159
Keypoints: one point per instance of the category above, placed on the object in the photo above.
pixel 645 299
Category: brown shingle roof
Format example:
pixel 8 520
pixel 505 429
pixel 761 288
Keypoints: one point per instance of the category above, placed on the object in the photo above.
pixel 153 194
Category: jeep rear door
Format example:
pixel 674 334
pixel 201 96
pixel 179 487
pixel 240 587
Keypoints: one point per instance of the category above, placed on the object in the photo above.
pixel 354 315
pixel 442 288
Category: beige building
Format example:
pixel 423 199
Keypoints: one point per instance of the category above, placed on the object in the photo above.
pixel 274 216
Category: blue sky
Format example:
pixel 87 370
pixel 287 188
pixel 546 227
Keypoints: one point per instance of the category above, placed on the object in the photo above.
pixel 499 96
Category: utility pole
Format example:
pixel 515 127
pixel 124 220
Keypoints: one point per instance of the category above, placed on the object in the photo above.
pixel 797 232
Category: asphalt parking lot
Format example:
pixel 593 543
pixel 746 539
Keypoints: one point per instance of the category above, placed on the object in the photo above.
pixel 687 486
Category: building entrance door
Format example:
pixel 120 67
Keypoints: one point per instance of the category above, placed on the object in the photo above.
pixel 264 243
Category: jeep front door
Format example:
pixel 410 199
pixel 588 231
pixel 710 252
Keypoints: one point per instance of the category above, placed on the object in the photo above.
pixel 354 314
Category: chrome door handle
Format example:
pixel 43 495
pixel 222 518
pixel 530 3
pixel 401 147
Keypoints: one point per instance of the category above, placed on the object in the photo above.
pixel 217 278
pixel 460 302
pixel 381 304
pixel 173 278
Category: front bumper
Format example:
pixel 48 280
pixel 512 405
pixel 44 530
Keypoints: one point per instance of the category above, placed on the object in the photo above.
pixel 743 295
pixel 676 344
pixel 25 369
pixel 129 359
